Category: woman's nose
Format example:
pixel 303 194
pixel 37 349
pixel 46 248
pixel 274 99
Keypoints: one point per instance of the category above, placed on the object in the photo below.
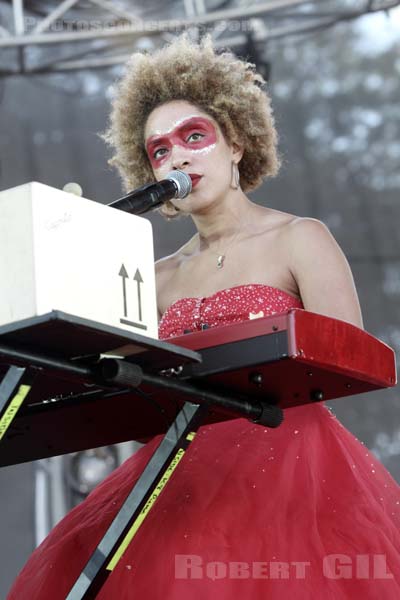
pixel 180 157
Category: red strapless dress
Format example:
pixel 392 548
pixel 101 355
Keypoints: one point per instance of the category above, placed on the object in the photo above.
pixel 303 511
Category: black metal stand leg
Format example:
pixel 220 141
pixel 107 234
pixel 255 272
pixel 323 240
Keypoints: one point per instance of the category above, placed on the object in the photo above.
pixel 14 388
pixel 139 502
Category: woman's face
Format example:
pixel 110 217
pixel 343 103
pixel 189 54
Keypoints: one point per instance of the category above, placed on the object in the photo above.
pixel 178 135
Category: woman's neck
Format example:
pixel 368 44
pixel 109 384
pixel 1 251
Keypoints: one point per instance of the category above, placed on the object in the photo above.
pixel 219 223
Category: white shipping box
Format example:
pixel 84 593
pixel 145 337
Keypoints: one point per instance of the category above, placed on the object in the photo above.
pixel 63 252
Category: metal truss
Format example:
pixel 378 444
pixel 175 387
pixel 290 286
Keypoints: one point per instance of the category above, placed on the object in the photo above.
pixel 81 34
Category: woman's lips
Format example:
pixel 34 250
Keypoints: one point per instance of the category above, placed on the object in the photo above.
pixel 195 179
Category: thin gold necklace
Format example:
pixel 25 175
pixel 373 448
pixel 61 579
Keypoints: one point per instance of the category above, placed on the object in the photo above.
pixel 222 256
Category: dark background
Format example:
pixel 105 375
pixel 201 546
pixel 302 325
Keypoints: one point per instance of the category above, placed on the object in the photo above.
pixel 337 103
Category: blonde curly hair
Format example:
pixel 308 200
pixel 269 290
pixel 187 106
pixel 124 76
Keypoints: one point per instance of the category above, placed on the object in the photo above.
pixel 222 85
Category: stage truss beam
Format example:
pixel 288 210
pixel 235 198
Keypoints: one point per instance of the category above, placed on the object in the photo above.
pixel 220 23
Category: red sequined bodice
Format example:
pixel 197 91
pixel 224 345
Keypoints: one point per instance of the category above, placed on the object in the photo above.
pixel 231 305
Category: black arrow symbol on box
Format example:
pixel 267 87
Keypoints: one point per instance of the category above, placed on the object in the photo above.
pixel 124 274
pixel 139 280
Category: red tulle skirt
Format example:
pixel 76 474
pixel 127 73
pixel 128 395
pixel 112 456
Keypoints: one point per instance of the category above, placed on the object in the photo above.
pixel 301 511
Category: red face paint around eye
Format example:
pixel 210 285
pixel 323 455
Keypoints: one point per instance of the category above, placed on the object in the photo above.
pixel 196 133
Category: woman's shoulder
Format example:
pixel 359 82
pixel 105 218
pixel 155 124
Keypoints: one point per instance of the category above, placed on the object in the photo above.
pixel 302 232
pixel 288 222
pixel 285 227
pixel 164 268
pixel 167 266
pixel 307 225
pixel 302 238
pixel 292 237
pixel 290 228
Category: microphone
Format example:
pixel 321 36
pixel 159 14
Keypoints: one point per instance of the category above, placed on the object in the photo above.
pixel 176 185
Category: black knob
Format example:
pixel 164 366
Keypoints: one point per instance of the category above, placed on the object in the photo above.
pixel 256 378
pixel 317 395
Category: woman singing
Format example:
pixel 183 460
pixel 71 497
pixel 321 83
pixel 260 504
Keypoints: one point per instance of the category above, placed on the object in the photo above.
pixel 303 511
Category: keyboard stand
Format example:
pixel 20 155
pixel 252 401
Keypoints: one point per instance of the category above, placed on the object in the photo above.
pixel 25 364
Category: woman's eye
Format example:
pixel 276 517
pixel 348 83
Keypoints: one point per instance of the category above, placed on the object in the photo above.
pixel 195 137
pixel 159 153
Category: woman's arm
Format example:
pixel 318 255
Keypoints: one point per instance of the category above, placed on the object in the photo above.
pixel 160 274
pixel 322 272
pixel 164 268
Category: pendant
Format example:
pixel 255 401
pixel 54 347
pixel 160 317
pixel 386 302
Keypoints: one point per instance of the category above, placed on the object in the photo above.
pixel 220 261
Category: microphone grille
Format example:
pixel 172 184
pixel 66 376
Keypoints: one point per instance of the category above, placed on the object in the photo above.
pixel 182 182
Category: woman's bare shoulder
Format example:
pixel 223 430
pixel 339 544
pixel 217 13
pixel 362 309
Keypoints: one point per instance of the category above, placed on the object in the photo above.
pixel 166 267
pixel 322 271
pixel 271 219
pixel 302 231
pixel 165 264
pixel 307 224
